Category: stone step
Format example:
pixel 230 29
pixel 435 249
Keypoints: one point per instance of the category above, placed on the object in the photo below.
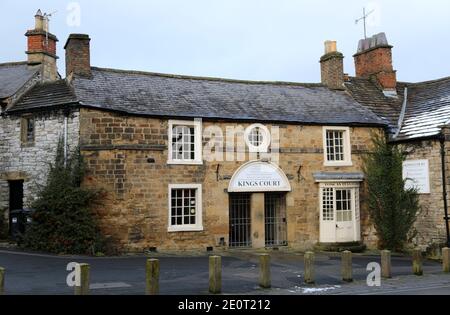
pixel 354 247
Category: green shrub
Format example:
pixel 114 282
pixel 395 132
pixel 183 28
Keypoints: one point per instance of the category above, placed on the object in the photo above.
pixel 63 222
pixel 392 208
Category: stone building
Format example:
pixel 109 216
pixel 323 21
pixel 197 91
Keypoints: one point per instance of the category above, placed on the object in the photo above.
pixel 28 140
pixel 418 117
pixel 191 163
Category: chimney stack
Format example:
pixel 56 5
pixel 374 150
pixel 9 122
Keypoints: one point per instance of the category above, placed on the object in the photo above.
pixel 374 60
pixel 78 57
pixel 42 48
pixel 332 67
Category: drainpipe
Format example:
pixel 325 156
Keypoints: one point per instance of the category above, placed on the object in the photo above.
pixel 444 188
pixel 65 137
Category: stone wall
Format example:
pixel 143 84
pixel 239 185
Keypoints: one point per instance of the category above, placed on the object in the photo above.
pixel 430 225
pixel 120 151
pixel 30 163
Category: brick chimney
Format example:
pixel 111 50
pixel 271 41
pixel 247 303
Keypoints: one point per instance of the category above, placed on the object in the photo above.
pixel 332 67
pixel 374 60
pixel 42 48
pixel 78 56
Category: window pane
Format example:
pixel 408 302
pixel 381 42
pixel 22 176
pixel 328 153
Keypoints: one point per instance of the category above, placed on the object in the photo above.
pixel 327 204
pixel 344 205
pixel 335 145
pixel 30 130
pixel 183 143
pixel 184 209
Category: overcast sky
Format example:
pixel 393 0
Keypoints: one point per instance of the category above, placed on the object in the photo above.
pixel 243 39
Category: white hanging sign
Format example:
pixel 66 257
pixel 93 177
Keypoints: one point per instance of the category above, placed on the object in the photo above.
pixel 417 175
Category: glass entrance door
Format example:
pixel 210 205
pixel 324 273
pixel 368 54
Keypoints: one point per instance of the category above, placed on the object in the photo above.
pixel 344 215
pixel 339 213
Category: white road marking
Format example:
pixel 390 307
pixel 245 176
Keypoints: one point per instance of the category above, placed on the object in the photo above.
pixel 110 285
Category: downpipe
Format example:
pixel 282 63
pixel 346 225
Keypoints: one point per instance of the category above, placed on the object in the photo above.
pixel 444 188
pixel 65 138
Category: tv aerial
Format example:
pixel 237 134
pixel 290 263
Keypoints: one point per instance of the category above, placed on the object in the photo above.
pixel 364 19
pixel 47 17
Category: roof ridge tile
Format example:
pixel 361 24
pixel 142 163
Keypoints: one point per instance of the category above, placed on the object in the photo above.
pixel 203 78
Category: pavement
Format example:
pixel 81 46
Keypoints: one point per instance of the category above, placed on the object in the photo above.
pixel 187 274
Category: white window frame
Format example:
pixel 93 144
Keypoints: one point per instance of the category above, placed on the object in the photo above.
pixel 347 147
pixel 198 142
pixel 354 201
pixel 198 226
pixel 264 133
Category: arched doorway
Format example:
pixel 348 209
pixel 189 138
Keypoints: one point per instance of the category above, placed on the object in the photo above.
pixel 257 193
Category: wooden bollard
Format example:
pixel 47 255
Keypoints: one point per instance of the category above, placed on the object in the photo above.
pixel 264 272
pixel 2 281
pixel 347 271
pixel 386 264
pixel 215 274
pixel 84 274
pixel 446 259
pixel 417 262
pixel 309 268
pixel 152 277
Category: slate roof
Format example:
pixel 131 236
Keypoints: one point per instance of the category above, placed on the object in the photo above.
pixel 427 108
pixel 182 96
pixel 46 95
pixel 368 93
pixel 13 76
pixel 152 94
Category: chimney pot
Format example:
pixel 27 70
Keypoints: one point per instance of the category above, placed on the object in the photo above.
pixel 39 21
pixel 330 46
